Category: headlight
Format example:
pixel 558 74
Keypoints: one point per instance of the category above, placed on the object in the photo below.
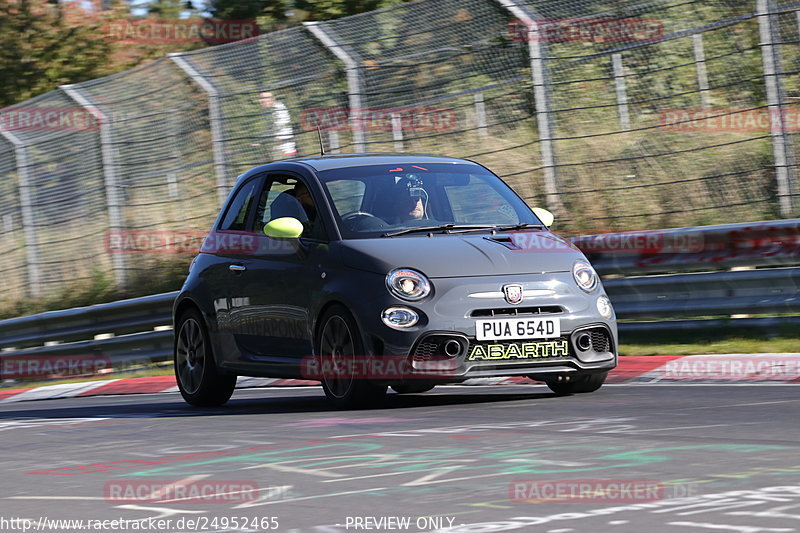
pixel 408 284
pixel 584 275
pixel 604 307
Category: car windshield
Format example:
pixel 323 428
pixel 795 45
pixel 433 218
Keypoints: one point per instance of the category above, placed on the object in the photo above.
pixel 394 199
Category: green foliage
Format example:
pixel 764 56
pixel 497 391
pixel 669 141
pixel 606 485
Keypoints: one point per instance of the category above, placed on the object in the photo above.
pixel 276 14
pixel 331 9
pixel 167 275
pixel 40 49
pixel 246 9
pixel 168 9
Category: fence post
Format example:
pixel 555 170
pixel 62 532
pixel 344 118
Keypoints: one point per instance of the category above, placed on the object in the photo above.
pixel 215 121
pixel 172 177
pixel 397 132
pixel 700 68
pixel 622 91
pixel 541 93
pixel 333 141
pixel 354 91
pixel 113 201
pixel 26 207
pixel 784 170
pixel 480 116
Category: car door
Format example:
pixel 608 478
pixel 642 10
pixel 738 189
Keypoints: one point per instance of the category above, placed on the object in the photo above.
pixel 230 243
pixel 281 278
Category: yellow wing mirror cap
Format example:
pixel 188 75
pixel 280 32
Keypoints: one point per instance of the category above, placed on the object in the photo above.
pixel 284 227
pixel 544 215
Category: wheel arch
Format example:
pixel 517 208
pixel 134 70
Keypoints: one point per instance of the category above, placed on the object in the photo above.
pixel 183 305
pixel 342 302
pixel 186 303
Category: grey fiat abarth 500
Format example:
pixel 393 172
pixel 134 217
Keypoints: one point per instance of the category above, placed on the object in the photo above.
pixel 375 270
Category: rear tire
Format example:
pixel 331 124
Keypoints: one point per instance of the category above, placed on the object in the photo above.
pixel 585 384
pixel 199 381
pixel 339 346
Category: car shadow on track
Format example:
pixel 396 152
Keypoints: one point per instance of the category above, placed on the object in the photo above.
pixel 295 401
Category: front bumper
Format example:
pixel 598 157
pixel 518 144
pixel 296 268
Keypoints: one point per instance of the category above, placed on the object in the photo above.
pixel 452 312
pixel 588 349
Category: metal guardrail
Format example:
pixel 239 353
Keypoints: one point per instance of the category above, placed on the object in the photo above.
pixel 84 323
pixel 752 244
pixel 762 291
pixel 134 329
pixel 124 331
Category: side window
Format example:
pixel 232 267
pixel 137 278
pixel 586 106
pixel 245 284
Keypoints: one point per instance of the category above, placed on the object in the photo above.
pixel 271 207
pixel 236 216
pixel 286 196
pixel 491 208
pixel 347 195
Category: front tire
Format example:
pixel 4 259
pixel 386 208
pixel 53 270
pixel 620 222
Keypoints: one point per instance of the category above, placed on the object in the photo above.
pixel 340 349
pixel 585 384
pixel 199 381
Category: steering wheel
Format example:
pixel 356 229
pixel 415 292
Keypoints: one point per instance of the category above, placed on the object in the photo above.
pixel 363 221
pixel 355 214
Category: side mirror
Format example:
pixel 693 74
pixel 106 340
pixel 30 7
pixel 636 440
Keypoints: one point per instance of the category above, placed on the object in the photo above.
pixel 284 227
pixel 544 215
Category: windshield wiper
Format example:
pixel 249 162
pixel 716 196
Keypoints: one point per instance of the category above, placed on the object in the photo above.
pixel 447 228
pixel 523 225
pixel 460 228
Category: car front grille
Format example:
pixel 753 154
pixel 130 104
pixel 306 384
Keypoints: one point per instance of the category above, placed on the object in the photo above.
pixel 517 311
pixel 600 340
pixel 430 348
pixel 425 350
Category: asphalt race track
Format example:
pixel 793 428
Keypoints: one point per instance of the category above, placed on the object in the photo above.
pixel 629 458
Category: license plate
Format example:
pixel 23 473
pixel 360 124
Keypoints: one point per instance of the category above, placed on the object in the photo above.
pixel 517 328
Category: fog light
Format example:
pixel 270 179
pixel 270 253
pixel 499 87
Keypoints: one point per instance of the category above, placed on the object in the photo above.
pixel 604 307
pixel 399 317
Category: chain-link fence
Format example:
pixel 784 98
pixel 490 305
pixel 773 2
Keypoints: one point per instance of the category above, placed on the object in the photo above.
pixel 615 115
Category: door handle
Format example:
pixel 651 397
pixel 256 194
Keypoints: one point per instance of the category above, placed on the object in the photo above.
pixel 237 268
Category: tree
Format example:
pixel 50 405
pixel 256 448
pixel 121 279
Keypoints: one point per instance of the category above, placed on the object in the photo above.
pixel 170 9
pixel 40 48
pixel 331 9
pixel 245 9
pixel 275 14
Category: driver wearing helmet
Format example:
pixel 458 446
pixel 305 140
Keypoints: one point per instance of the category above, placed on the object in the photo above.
pixel 411 200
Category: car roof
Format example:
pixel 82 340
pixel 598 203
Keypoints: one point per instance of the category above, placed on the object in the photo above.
pixel 329 162
pixel 334 161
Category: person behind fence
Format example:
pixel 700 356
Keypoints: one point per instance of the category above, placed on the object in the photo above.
pixel 279 125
